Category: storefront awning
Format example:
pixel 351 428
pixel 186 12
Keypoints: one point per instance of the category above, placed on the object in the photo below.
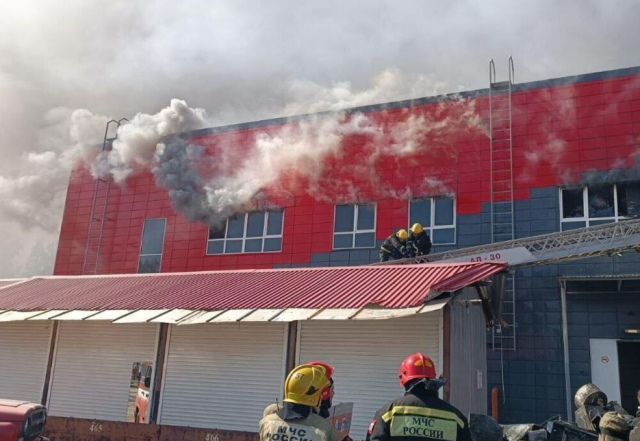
pixel 601 284
pixel 339 293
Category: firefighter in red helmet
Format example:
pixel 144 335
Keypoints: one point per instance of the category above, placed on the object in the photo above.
pixel 420 414
pixel 328 392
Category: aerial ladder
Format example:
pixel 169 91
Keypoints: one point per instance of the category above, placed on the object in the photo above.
pixel 603 240
pixel 565 246
pixel 91 262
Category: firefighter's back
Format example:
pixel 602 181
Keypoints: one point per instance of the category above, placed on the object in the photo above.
pixel 419 416
pixel 311 428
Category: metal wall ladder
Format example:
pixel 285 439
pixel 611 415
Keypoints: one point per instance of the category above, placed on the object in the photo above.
pixel 99 206
pixel 502 189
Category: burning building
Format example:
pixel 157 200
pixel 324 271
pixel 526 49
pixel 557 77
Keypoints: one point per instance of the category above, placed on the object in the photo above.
pixel 324 190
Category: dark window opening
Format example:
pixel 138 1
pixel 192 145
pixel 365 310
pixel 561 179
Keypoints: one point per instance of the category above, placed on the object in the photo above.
pixel 601 201
pixel 572 203
pixel 151 246
pixel 629 199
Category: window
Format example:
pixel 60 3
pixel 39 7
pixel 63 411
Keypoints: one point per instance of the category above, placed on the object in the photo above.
pixel 257 232
pixel 437 216
pixel 151 247
pixel 598 204
pixel 354 227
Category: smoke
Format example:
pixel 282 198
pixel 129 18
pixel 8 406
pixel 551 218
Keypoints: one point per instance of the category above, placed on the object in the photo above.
pixel 311 155
pixel 123 57
pixel 305 96
pixel 136 143
pixel 315 154
pixel 32 195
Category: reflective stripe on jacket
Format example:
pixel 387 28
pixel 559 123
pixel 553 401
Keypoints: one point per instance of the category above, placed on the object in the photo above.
pixel 419 416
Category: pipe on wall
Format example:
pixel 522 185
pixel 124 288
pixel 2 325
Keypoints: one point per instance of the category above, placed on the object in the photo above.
pixel 565 345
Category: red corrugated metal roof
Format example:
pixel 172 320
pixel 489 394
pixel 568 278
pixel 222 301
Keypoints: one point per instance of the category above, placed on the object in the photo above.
pixel 7 282
pixel 394 286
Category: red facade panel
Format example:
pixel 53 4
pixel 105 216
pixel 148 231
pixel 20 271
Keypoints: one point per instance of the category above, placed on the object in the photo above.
pixel 559 132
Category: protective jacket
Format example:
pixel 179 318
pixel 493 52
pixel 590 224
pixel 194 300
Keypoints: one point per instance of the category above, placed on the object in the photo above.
pixel 419 416
pixel 295 422
pixel 393 248
pixel 421 242
pixel 322 410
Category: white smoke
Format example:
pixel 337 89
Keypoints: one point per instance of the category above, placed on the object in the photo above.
pixel 311 155
pixel 33 195
pixel 305 96
pixel 135 146
pixel 307 153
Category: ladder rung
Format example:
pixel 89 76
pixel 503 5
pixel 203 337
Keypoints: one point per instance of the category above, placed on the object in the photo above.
pixel 500 84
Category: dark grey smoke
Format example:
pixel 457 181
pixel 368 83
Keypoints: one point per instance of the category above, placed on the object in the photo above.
pixel 176 170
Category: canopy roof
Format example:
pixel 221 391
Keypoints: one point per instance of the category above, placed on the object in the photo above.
pixel 240 294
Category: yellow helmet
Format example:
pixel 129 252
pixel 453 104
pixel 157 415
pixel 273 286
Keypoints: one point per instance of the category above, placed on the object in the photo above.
pixel 402 234
pixel 416 228
pixel 304 385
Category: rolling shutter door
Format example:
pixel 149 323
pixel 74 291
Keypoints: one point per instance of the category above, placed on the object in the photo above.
pixel 222 375
pixel 367 355
pixel 24 350
pixel 92 370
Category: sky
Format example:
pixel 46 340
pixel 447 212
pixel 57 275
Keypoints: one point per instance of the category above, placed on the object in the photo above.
pixel 249 60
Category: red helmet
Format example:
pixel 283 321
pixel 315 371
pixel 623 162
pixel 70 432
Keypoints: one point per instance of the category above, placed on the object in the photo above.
pixel 416 366
pixel 326 392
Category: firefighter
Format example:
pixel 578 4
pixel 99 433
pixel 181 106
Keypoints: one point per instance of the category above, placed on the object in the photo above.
pixel 394 247
pixel 419 415
pixel 326 395
pixel 419 240
pixel 296 421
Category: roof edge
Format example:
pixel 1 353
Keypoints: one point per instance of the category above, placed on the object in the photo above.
pixel 518 87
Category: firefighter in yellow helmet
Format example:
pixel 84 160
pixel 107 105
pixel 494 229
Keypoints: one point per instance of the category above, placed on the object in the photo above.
pixel 419 241
pixel 394 247
pixel 297 421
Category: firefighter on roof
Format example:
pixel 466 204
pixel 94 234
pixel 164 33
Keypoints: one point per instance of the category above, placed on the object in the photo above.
pixel 394 247
pixel 297 421
pixel 419 415
pixel 419 240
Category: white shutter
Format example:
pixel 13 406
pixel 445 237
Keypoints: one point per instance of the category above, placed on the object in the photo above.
pixel 92 370
pixel 24 352
pixel 222 375
pixel 366 356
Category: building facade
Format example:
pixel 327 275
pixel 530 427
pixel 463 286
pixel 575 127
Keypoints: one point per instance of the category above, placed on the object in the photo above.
pixel 566 159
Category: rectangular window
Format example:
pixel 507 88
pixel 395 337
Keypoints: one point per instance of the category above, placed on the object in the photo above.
pixel 354 226
pixel 598 204
pixel 437 216
pixel 256 232
pixel 151 246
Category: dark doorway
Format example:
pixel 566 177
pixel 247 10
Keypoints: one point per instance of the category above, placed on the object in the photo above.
pixel 629 366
